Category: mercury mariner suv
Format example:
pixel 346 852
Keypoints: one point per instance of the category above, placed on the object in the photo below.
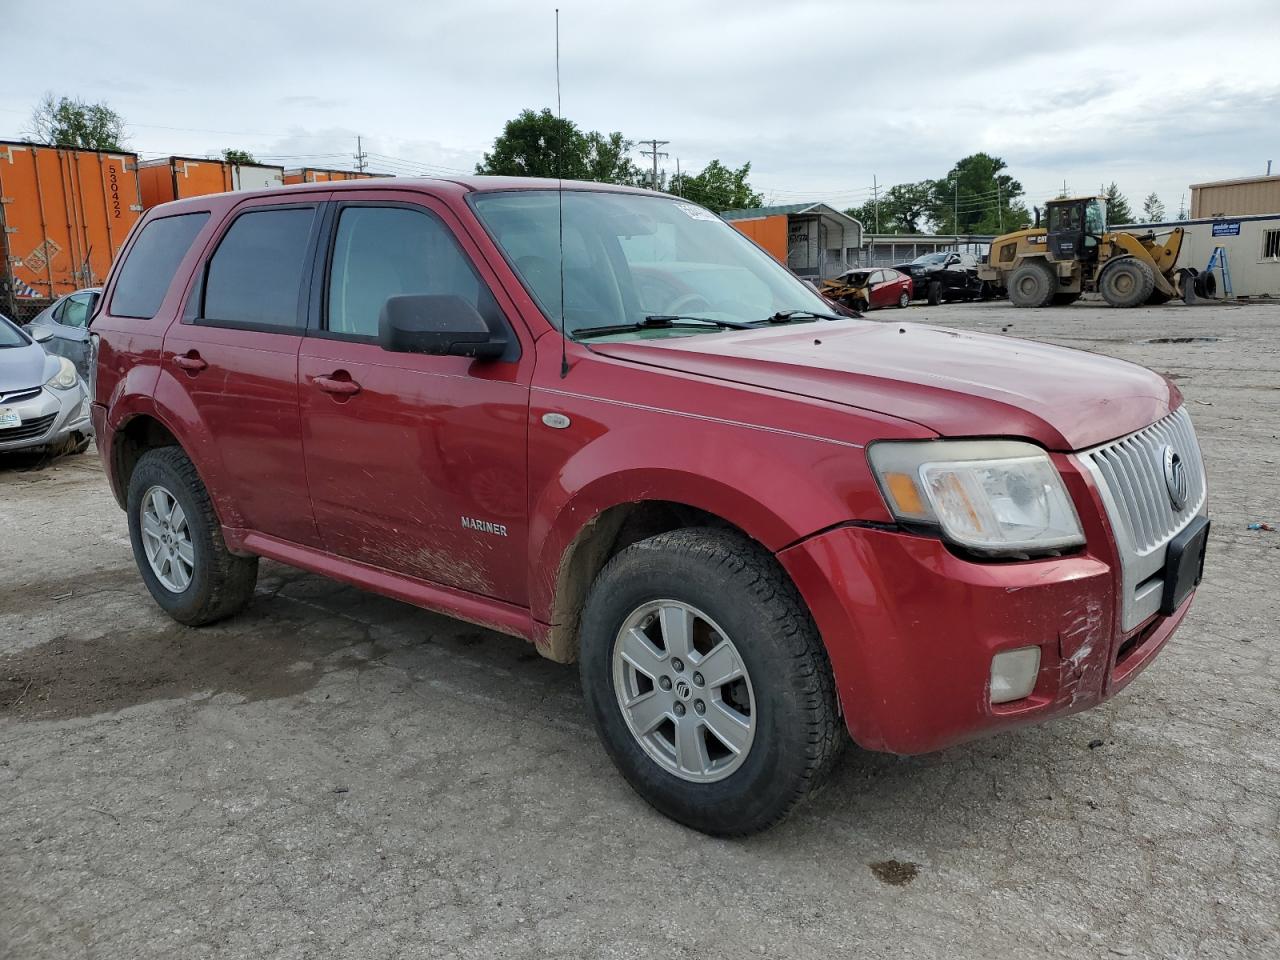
pixel 600 419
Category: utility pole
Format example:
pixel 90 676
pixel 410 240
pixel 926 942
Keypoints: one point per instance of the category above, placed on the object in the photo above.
pixel 955 211
pixel 679 182
pixel 999 208
pixel 875 194
pixel 360 156
pixel 653 152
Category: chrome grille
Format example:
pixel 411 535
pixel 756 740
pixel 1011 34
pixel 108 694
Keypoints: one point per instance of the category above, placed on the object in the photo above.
pixel 1130 476
pixel 1133 469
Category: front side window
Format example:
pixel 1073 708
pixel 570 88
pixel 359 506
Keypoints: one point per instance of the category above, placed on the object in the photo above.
pixel 151 263
pixel 74 311
pixel 382 252
pixel 255 276
pixel 631 256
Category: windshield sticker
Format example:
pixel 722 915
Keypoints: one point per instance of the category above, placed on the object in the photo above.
pixel 696 213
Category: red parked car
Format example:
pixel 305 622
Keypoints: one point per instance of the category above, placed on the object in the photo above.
pixel 867 288
pixel 750 521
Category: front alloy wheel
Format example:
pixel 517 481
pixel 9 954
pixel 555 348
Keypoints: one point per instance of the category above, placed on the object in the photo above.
pixel 707 680
pixel 684 691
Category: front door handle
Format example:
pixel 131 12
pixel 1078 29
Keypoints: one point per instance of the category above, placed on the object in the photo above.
pixel 191 361
pixel 344 387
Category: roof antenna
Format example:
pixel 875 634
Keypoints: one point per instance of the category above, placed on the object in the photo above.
pixel 564 334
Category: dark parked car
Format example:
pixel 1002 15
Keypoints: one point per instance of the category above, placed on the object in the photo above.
pixel 66 322
pixel 945 276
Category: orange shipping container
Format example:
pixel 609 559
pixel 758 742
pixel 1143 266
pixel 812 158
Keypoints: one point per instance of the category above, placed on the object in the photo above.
pixel 174 178
pixel 769 232
pixel 64 214
pixel 313 175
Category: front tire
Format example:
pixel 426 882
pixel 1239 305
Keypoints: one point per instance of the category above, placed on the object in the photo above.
pixel 707 681
pixel 177 542
pixel 1127 282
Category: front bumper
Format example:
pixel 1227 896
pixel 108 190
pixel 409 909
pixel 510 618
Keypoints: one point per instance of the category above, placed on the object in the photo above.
pixel 911 629
pixel 49 417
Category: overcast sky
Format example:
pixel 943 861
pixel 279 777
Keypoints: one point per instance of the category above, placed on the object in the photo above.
pixel 818 96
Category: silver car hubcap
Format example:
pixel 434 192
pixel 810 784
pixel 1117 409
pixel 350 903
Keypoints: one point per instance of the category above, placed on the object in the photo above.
pixel 166 539
pixel 684 691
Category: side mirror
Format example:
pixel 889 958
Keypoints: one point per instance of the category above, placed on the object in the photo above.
pixel 40 334
pixel 444 325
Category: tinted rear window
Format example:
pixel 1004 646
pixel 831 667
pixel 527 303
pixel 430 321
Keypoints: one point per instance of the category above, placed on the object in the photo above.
pixel 147 272
pixel 255 276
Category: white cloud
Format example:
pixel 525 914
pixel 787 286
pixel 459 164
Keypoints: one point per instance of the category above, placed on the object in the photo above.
pixel 819 96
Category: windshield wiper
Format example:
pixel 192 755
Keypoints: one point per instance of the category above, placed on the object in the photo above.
pixel 659 321
pixel 786 316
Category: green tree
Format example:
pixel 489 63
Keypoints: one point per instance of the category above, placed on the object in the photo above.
pixel 717 187
pixel 977 197
pixel 70 122
pixel 543 145
pixel 232 155
pixel 903 208
pixel 1152 209
pixel 1118 209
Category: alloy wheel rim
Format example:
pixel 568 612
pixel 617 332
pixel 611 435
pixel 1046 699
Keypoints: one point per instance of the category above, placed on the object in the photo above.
pixel 684 691
pixel 166 539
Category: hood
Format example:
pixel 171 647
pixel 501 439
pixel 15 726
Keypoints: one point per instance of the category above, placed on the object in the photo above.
pixel 22 368
pixel 955 383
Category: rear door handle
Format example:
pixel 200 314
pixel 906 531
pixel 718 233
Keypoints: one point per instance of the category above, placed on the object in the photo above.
pixel 344 387
pixel 191 361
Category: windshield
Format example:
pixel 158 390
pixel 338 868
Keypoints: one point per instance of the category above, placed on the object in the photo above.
pixel 928 259
pixel 1095 216
pixel 631 256
pixel 10 335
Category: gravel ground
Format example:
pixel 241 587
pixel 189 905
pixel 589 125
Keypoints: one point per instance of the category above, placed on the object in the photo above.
pixel 335 774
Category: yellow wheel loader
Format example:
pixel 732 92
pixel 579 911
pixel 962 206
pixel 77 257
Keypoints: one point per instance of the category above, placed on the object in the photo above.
pixel 1075 253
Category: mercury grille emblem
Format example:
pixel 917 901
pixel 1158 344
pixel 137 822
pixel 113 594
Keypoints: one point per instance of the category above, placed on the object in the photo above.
pixel 1175 478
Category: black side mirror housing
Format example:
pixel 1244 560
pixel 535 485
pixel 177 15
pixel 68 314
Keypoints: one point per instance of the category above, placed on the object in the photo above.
pixel 438 325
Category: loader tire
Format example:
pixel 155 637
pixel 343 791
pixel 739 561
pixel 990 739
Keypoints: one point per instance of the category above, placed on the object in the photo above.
pixel 1033 284
pixel 1065 299
pixel 1126 282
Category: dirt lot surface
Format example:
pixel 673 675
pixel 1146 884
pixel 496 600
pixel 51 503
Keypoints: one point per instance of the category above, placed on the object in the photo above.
pixel 332 774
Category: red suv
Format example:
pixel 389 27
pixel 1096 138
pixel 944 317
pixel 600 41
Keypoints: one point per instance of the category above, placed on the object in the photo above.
pixel 603 420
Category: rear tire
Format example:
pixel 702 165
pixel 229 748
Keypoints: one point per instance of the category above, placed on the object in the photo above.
pixel 1033 284
pixel 742 602
pixel 904 298
pixel 1126 282
pixel 205 581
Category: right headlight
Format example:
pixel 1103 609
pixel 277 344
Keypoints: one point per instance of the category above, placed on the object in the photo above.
pixel 994 497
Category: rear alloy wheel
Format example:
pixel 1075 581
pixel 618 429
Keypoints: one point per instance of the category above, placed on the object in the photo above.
pixel 904 298
pixel 177 542
pixel 1127 282
pixel 707 680
pixel 1032 284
